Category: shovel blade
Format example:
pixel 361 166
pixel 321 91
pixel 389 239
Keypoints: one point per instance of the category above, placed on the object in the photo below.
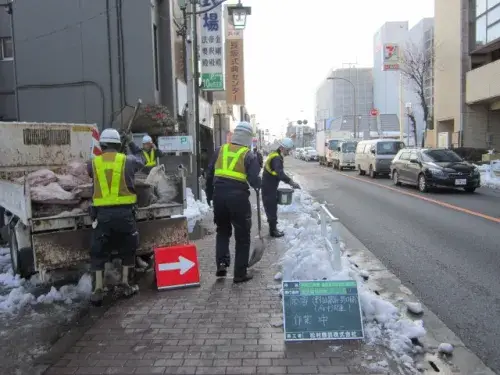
pixel 258 252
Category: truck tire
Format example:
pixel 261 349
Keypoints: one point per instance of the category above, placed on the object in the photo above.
pixel 22 260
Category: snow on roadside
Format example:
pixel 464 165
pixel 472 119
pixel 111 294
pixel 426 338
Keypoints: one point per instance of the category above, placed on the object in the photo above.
pixel 196 210
pixel 488 179
pixel 306 258
pixel 16 292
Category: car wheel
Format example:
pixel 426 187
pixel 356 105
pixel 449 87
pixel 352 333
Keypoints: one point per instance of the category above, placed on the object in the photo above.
pixel 371 172
pixel 360 171
pixel 341 168
pixel 422 184
pixel 395 178
pixel 470 189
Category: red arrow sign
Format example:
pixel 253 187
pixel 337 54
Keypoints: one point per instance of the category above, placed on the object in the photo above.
pixel 176 267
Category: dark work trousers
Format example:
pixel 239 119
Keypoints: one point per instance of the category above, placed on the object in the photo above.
pixel 116 232
pixel 232 209
pixel 270 202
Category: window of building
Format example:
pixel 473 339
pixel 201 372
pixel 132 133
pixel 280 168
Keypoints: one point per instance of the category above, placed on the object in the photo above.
pixel 493 15
pixel 6 49
pixel 493 32
pixel 481 31
pixel 492 3
pixel 481 7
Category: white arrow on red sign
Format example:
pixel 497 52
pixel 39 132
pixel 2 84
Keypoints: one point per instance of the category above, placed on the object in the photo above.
pixel 183 265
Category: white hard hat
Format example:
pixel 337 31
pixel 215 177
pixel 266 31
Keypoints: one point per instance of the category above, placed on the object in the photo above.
pixel 110 135
pixel 147 139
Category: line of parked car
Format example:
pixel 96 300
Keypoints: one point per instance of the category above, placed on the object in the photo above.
pixel 424 168
pixel 306 154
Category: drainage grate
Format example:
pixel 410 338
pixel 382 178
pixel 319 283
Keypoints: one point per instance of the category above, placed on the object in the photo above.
pixel 46 137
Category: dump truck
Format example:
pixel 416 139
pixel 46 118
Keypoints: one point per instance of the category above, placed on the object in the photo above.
pixel 45 240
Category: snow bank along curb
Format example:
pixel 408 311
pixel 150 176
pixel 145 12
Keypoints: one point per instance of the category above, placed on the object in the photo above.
pixel 488 179
pixel 397 326
pixel 16 293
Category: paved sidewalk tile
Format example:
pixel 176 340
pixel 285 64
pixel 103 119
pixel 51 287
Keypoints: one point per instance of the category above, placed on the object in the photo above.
pixel 218 328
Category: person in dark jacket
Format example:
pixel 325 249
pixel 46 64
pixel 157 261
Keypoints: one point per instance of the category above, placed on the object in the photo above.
pixel 259 157
pixel 113 203
pixel 149 153
pixel 271 177
pixel 232 169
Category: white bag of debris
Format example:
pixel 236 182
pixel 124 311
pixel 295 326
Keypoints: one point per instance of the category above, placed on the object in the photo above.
pixel 69 182
pixel 41 177
pixel 165 188
pixel 52 193
pixel 79 170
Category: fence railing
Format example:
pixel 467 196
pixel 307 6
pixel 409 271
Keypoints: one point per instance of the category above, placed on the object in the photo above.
pixel 330 233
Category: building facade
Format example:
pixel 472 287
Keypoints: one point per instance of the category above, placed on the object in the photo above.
pixel 335 97
pixel 387 85
pixel 420 40
pixel 466 71
pixel 7 84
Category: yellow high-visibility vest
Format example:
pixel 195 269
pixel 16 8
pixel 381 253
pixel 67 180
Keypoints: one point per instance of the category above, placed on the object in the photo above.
pixel 150 158
pixel 270 158
pixel 235 169
pixel 110 188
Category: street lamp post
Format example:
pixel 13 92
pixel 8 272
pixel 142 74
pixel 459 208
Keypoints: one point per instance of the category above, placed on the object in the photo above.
pixel 354 103
pixel 189 30
pixel 408 112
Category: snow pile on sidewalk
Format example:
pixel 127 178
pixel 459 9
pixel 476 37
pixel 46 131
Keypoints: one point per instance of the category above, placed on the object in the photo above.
pixel 307 258
pixel 196 210
pixel 488 178
pixel 16 292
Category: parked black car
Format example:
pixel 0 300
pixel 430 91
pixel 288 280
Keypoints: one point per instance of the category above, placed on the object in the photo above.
pixel 433 168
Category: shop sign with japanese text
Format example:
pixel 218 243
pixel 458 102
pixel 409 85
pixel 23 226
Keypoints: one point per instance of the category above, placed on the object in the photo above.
pixel 212 71
pixel 235 73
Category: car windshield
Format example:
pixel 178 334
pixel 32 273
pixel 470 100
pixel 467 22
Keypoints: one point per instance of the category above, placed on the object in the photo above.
pixel 349 147
pixel 440 156
pixel 389 148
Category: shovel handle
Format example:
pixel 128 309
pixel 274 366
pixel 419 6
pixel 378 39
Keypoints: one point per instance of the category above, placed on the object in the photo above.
pixel 259 220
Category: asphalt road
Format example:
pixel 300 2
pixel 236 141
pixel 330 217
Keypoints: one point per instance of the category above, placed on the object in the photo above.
pixel 444 247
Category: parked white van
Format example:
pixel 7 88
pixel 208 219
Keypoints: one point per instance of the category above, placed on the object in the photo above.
pixel 375 156
pixel 344 156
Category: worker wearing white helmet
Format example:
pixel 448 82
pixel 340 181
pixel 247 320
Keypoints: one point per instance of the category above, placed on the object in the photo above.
pixel 274 173
pixel 149 153
pixel 230 172
pixel 112 211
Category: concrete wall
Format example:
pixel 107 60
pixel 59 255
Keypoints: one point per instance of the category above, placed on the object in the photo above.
pixel 60 44
pixel 386 95
pixel 7 97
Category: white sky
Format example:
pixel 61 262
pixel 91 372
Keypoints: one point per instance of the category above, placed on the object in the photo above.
pixel 290 45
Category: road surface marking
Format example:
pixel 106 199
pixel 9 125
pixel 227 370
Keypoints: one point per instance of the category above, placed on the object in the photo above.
pixel 430 200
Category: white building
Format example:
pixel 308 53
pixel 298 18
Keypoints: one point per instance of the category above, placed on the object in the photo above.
pixel 386 84
pixel 335 97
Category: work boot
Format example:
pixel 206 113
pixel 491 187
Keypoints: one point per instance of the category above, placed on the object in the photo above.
pixel 221 270
pixel 97 297
pixel 273 230
pixel 125 289
pixel 242 279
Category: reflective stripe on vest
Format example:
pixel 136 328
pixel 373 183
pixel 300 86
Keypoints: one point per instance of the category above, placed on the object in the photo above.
pixel 270 158
pixel 234 170
pixel 115 192
pixel 150 159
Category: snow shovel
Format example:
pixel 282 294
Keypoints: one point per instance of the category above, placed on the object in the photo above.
pixel 259 246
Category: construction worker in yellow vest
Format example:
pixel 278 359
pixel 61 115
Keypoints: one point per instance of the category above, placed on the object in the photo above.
pixel 113 205
pixel 230 172
pixel 149 153
pixel 271 177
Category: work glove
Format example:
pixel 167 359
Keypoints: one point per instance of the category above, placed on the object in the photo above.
pixel 126 137
pixel 294 185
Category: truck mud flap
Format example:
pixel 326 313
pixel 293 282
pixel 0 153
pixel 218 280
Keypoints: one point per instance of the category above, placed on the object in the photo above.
pixel 65 249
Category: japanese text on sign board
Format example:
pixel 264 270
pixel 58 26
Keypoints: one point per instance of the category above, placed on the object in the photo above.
pixel 234 53
pixel 211 50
